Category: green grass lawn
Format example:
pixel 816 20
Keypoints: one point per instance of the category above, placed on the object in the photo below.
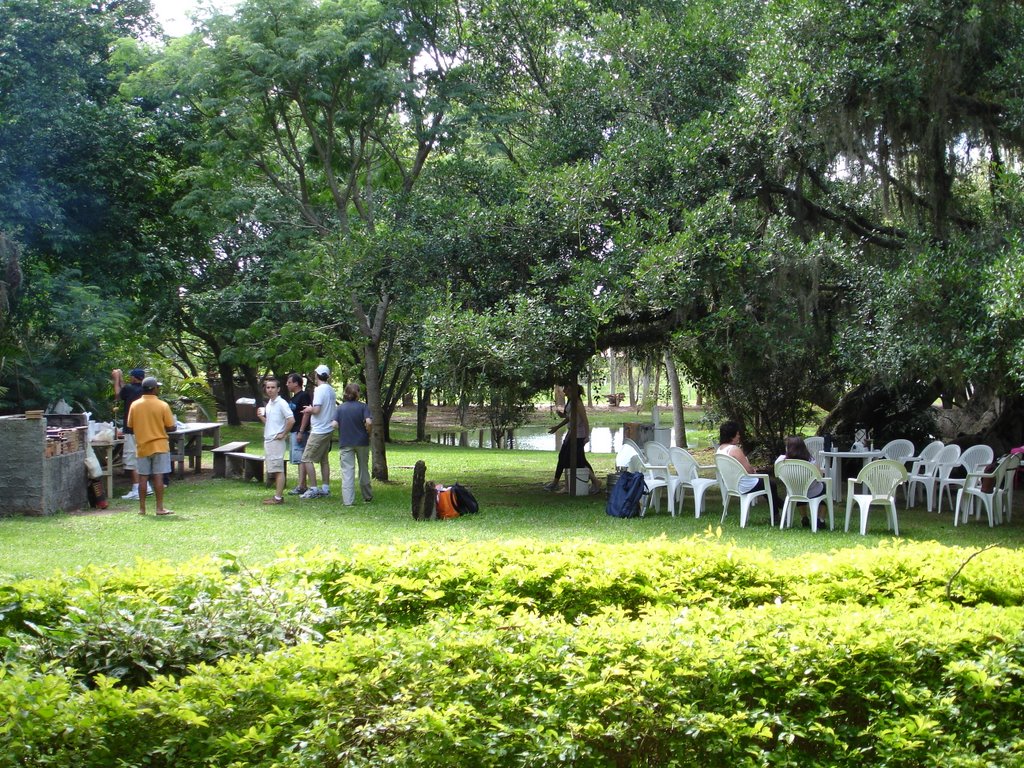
pixel 216 515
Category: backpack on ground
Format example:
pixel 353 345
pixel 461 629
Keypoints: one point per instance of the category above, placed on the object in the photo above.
pixel 624 499
pixel 465 501
pixel 446 504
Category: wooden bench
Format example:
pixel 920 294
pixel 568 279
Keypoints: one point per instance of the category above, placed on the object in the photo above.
pixel 220 453
pixel 249 466
pixel 615 398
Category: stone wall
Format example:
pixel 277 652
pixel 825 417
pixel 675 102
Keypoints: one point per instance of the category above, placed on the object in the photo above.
pixel 32 483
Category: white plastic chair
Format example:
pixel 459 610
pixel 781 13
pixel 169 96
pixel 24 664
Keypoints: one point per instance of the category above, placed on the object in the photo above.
pixel 881 479
pixel 815 445
pixel 921 468
pixel 798 476
pixel 639 451
pixel 974 459
pixel 626 452
pixel 657 463
pixel 730 472
pixel 687 474
pixel 898 450
pixel 937 469
pixel 995 499
pixel 654 484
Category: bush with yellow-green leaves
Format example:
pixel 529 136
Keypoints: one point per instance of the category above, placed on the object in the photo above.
pixel 522 654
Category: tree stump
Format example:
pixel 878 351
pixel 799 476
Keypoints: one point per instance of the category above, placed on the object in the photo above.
pixel 424 496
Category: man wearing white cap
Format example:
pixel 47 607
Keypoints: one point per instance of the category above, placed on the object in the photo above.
pixel 320 418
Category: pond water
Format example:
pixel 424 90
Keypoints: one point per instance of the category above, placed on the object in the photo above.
pixel 537 438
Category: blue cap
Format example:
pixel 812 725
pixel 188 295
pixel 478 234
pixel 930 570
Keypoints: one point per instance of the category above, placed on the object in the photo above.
pixel 138 373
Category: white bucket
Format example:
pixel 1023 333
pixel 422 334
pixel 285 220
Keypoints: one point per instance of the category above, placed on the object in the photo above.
pixel 582 482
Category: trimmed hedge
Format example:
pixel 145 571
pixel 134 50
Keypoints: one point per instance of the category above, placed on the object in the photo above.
pixel 691 654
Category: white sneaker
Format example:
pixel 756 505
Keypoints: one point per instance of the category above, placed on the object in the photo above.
pixel 324 494
pixel 312 493
pixel 298 490
pixel 131 496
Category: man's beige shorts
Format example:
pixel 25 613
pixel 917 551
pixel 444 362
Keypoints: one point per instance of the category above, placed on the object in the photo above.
pixel 317 448
pixel 273 452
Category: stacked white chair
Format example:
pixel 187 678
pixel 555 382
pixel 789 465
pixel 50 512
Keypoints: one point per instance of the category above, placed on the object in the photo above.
pixel 974 459
pixel 654 484
pixel 922 468
pixel 995 498
pixel 657 464
pixel 938 469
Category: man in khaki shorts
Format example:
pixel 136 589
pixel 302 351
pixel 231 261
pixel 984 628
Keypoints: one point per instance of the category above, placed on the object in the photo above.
pixel 277 423
pixel 320 419
pixel 151 419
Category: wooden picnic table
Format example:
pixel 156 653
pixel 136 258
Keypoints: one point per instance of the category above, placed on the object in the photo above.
pixel 187 442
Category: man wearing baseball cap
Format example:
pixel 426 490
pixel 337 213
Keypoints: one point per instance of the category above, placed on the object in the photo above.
pixel 319 417
pixel 128 393
pixel 151 419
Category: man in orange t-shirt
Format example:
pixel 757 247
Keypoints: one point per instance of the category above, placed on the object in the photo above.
pixel 150 419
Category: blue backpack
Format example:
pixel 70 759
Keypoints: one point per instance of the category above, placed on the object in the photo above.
pixel 624 500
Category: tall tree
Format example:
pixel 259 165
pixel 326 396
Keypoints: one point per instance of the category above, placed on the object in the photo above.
pixel 338 105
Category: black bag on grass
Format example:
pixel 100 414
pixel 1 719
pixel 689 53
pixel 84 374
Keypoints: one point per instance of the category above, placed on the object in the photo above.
pixel 465 502
pixel 624 499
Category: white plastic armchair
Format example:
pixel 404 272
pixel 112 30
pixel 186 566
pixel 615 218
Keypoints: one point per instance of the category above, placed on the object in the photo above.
pixel 898 450
pixel 626 452
pixel 880 479
pixel 657 464
pixel 995 499
pixel 798 476
pixel 922 468
pixel 687 474
pixel 938 469
pixel 730 472
pixel 815 445
pixel 974 459
pixel 654 484
pixel 639 451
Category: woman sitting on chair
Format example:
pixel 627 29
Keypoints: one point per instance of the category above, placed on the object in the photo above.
pixel 796 448
pixel 729 439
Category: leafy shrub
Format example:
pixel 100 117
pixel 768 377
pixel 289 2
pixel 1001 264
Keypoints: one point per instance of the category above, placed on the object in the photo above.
pixel 695 653
pixel 769 685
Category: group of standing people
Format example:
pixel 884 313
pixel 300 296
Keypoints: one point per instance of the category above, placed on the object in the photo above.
pixel 305 425
pixel 302 427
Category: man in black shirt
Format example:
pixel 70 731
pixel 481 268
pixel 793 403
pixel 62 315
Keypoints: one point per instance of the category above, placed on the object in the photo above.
pixel 128 393
pixel 300 433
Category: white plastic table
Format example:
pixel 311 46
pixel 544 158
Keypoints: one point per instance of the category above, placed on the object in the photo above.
pixel 835 466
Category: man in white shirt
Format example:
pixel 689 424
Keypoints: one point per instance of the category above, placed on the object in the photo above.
pixel 319 417
pixel 277 423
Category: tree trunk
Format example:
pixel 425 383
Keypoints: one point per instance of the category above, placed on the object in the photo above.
pixel 252 378
pixel 611 372
pixel 632 383
pixel 227 380
pixel 678 414
pixel 422 406
pixel 372 331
